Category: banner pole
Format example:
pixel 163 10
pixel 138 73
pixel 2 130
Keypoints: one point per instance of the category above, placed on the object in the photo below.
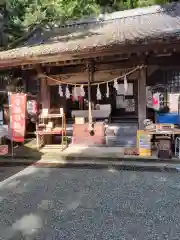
pixel 25 117
pixel 10 126
pixel 12 148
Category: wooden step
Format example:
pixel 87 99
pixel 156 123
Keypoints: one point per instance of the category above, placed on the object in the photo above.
pixel 53 146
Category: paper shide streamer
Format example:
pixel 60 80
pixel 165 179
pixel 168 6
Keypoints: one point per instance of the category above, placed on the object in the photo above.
pixel 107 90
pixel 98 94
pixel 82 92
pixel 125 85
pixel 116 84
pixel 75 94
pixel 67 92
pixel 60 91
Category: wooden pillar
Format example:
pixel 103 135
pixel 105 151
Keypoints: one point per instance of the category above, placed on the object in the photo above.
pixel 44 88
pixel 45 94
pixel 142 98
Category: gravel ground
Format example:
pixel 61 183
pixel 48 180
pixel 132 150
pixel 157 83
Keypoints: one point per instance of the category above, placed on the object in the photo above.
pixel 8 171
pixel 90 204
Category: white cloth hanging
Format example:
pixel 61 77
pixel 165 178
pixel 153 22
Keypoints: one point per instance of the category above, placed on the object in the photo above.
pixel 75 93
pixel 125 85
pixel 67 92
pixel 98 94
pixel 60 91
pixel 107 90
pixel 82 92
pixel 116 84
pixel 149 97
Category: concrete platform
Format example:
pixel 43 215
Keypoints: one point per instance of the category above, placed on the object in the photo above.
pixel 76 151
pixel 94 157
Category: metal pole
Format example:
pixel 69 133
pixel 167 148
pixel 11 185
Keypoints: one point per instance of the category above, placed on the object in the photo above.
pixel 89 102
pixel 90 79
pixel 12 147
pixel 10 126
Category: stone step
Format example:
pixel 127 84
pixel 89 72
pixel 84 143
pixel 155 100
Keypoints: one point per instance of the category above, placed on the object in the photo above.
pixel 120 129
pixel 121 141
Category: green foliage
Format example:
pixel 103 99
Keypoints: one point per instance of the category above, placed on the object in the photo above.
pixel 118 5
pixel 18 17
pixel 27 13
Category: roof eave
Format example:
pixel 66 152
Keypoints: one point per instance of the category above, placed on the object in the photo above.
pixel 83 53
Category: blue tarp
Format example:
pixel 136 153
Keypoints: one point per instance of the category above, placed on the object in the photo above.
pixel 171 118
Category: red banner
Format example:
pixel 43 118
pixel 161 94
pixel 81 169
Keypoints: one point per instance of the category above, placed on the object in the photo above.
pixel 17 103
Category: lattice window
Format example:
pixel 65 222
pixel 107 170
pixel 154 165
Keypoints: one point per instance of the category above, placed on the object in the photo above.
pixel 126 101
pixel 173 81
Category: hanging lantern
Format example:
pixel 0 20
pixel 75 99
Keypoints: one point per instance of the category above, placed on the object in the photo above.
pixel 125 85
pixel 107 90
pixel 82 92
pixel 116 84
pixel 67 92
pixel 98 94
pixel 60 91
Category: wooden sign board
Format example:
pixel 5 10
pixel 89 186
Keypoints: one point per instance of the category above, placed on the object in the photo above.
pixel 143 143
pixel 3 150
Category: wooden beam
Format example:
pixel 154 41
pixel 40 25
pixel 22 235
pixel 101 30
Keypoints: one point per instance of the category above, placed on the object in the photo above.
pixel 164 60
pixel 105 66
pixel 101 59
pixel 98 77
pixel 128 63
pixel 117 65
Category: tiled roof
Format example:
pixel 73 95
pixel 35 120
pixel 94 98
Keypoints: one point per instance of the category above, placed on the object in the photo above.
pixel 119 28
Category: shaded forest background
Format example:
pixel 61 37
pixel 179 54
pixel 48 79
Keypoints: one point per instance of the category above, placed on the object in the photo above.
pixel 19 17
